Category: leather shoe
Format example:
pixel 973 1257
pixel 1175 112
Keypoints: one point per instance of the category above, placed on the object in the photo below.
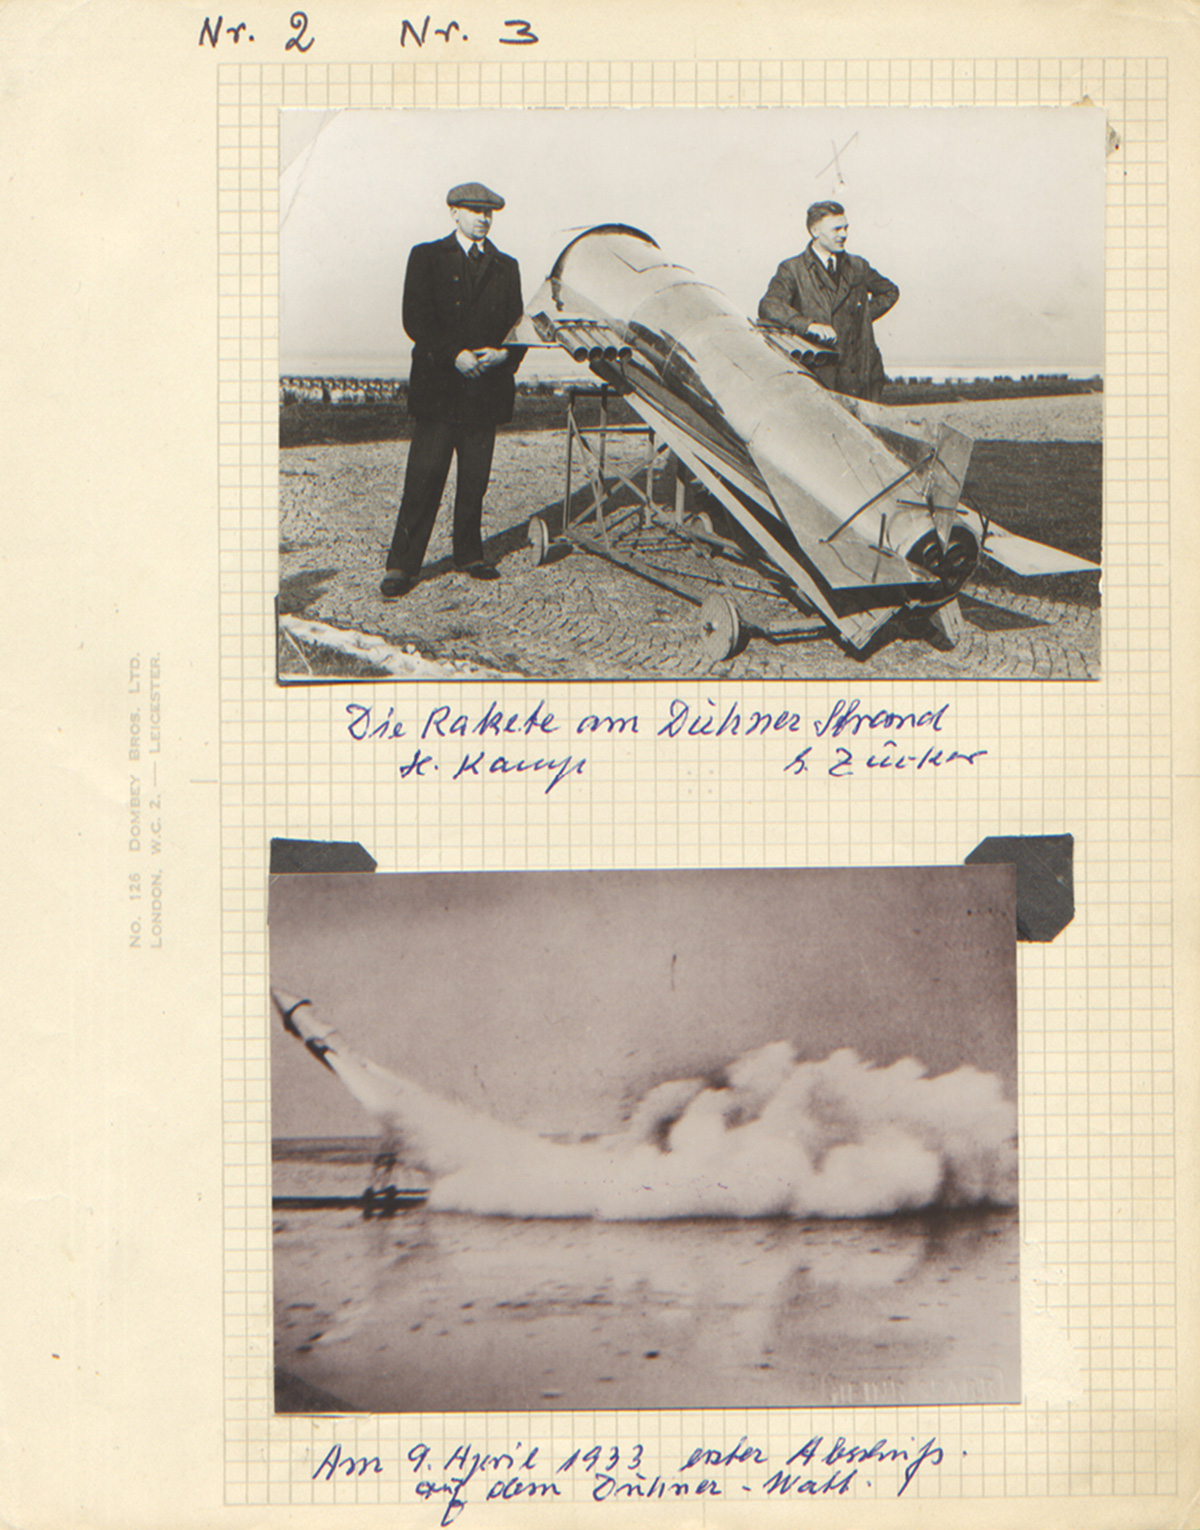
pixel 395 584
pixel 479 570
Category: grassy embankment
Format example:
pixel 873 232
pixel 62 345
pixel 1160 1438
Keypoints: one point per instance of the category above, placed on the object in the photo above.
pixel 312 422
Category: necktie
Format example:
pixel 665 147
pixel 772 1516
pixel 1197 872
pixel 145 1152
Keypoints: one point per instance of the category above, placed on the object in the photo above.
pixel 832 267
pixel 476 252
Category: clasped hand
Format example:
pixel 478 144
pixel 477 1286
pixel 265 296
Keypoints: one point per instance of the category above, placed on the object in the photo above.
pixel 476 363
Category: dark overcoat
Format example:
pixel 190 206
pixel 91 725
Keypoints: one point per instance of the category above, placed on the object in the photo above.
pixel 448 308
pixel 802 292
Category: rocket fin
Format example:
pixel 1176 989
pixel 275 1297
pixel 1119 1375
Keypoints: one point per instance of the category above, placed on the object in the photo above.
pixel 845 562
pixel 949 619
pixel 1023 555
pixel 948 470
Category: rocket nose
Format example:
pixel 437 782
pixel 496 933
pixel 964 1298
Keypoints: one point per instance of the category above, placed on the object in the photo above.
pixel 287 1004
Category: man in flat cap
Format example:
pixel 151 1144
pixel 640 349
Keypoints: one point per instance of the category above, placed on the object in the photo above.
pixel 461 297
pixel 833 298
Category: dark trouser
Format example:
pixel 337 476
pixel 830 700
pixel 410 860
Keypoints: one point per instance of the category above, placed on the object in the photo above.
pixel 433 444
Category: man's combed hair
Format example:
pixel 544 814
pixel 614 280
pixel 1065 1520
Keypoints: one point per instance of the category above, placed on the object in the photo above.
pixel 821 210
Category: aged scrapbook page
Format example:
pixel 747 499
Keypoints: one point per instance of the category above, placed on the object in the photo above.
pixel 602 908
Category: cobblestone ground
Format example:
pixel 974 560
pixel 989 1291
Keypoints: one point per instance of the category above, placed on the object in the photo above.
pixel 580 617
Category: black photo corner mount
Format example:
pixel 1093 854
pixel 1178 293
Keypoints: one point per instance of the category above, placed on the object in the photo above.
pixel 289 856
pixel 1044 865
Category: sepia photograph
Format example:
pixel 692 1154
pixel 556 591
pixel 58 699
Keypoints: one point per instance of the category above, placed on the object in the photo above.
pixel 644 1139
pixel 624 394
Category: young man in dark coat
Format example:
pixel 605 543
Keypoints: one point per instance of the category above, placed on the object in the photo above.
pixel 834 298
pixel 461 297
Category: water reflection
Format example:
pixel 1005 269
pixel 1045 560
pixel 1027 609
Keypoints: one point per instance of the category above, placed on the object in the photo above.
pixel 438 1311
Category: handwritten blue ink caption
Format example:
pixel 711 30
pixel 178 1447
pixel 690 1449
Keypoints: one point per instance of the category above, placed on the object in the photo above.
pixel 338 1463
pixel 846 717
pixel 620 1474
pixel 908 741
pixel 442 722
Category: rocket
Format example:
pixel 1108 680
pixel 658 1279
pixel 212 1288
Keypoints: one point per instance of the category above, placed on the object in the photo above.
pixel 859 531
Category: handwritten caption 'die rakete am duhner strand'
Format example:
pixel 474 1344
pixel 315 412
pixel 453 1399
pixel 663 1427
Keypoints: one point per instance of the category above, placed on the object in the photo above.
pixel 848 740
pixel 455 1479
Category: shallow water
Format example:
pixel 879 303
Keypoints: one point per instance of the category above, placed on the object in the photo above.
pixel 446 1312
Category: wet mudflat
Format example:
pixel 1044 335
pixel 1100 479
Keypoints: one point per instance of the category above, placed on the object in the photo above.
pixel 442 1311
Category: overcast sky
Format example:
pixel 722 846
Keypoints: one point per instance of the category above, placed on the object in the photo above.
pixel 990 220
pixel 555 999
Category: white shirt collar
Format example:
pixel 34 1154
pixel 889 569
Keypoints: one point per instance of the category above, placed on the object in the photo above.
pixel 821 256
pixel 465 244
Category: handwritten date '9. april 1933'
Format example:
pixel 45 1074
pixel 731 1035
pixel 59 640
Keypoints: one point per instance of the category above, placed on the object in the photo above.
pixel 516 33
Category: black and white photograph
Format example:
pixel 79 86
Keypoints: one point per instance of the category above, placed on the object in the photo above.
pixel 649 394
pixel 644 1139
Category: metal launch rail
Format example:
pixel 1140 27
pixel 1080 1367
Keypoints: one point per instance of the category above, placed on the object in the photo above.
pixel 617 531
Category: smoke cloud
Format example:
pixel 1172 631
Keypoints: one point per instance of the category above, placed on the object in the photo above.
pixel 770 1136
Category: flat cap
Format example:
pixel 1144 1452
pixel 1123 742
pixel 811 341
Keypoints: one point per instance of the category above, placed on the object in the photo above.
pixel 472 194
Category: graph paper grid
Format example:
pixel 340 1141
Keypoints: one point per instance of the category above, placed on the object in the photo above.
pixel 1096 1095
